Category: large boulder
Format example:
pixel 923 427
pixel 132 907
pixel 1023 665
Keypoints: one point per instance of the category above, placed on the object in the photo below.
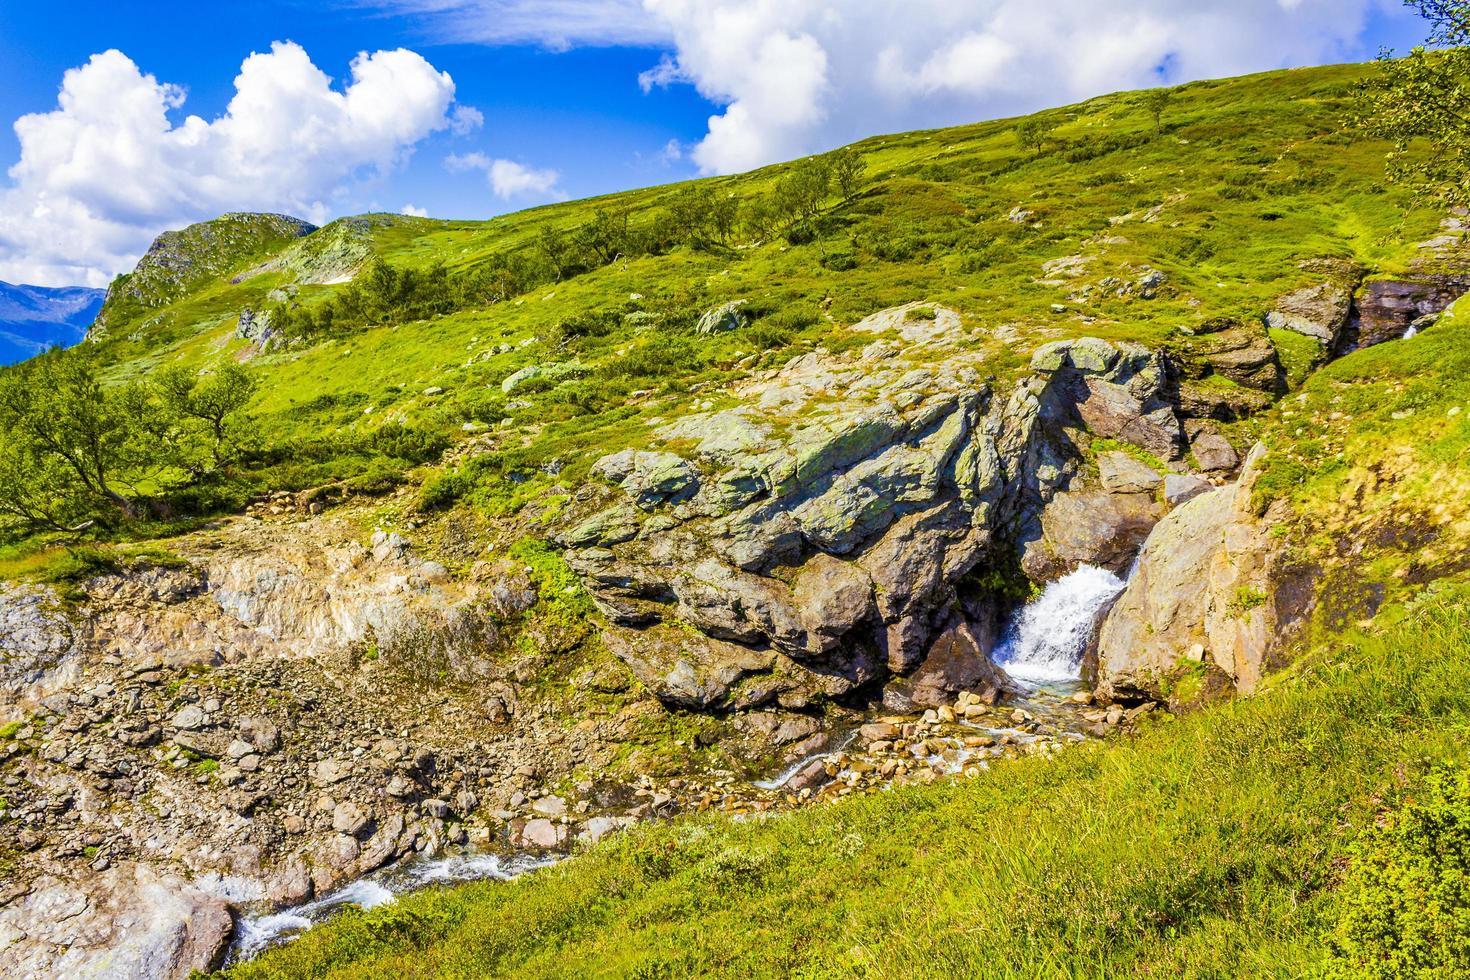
pixel 1091 527
pixel 728 316
pixel 128 921
pixel 1201 592
pixel 1320 311
pixel 1121 473
pixel 958 660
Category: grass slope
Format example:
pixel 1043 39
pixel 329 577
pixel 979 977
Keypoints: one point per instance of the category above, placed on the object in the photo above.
pixel 1246 179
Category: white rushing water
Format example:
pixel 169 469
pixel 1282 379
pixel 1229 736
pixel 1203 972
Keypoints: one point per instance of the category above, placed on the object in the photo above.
pixel 784 776
pixel 1045 641
pixel 256 933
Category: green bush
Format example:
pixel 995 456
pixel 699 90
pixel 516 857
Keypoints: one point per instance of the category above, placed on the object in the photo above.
pixel 407 443
pixel 1406 899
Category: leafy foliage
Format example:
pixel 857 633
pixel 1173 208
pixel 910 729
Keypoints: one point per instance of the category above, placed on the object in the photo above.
pixel 1422 101
pixel 1406 900
pixel 79 452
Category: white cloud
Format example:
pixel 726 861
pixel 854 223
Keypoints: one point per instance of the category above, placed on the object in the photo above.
pixel 465 120
pixel 556 24
pixel 108 168
pixel 795 76
pixel 507 178
pixel 414 211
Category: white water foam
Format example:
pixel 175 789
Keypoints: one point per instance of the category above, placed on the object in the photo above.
pixel 784 776
pixel 1046 640
pixel 256 933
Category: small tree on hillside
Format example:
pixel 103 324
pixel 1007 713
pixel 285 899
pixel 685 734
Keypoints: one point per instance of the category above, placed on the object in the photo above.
pixel 848 168
pixel 1421 105
pixel 605 235
pixel 1031 134
pixel 556 247
pixel 210 408
pixel 799 195
pixel 1155 102
pixel 724 214
pixel 69 443
pixel 758 217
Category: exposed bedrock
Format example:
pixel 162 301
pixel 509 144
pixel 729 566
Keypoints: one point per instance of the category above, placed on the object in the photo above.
pixel 1386 308
pixel 1211 599
pixel 817 540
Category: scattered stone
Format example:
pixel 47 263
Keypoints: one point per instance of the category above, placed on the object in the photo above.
pixel 349 818
pixel 189 718
pixel 728 316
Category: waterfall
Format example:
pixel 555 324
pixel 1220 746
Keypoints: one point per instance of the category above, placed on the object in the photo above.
pixel 1046 639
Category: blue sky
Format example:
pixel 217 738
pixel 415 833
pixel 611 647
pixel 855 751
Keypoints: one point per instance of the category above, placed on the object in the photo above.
pixel 577 97
pixel 580 111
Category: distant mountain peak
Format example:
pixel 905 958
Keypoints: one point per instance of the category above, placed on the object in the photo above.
pixel 33 318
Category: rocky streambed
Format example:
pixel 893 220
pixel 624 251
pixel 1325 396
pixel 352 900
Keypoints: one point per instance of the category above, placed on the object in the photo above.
pixel 954 741
pixel 857 754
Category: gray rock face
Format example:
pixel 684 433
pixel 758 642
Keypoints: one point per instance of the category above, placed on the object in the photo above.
pixel 1202 590
pixel 1120 392
pixel 39 647
pixel 1181 488
pixel 1094 528
pixel 649 478
pixel 127 921
pixel 777 571
pixel 1387 307
pixel 1319 311
pixel 728 316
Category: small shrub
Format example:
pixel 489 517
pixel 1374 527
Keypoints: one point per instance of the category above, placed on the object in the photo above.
pixel 1406 899
pixel 443 490
pixel 407 443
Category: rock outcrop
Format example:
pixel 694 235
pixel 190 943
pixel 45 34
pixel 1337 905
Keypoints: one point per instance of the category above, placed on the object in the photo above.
pixel 1202 593
pixel 128 921
pixel 1388 307
pixel 813 541
pixel 1323 310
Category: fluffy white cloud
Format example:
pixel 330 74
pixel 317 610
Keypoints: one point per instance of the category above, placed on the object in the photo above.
pixel 108 169
pixel 795 76
pixel 507 178
pixel 413 211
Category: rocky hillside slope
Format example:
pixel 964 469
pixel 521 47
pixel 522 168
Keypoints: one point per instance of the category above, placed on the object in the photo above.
pixel 537 539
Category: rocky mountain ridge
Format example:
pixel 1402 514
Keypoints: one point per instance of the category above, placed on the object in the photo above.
pixel 33 318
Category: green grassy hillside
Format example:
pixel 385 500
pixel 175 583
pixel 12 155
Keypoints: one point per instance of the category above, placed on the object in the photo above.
pixel 1316 828
pixel 1245 180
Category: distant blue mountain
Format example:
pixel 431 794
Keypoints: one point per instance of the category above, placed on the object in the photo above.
pixel 33 318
